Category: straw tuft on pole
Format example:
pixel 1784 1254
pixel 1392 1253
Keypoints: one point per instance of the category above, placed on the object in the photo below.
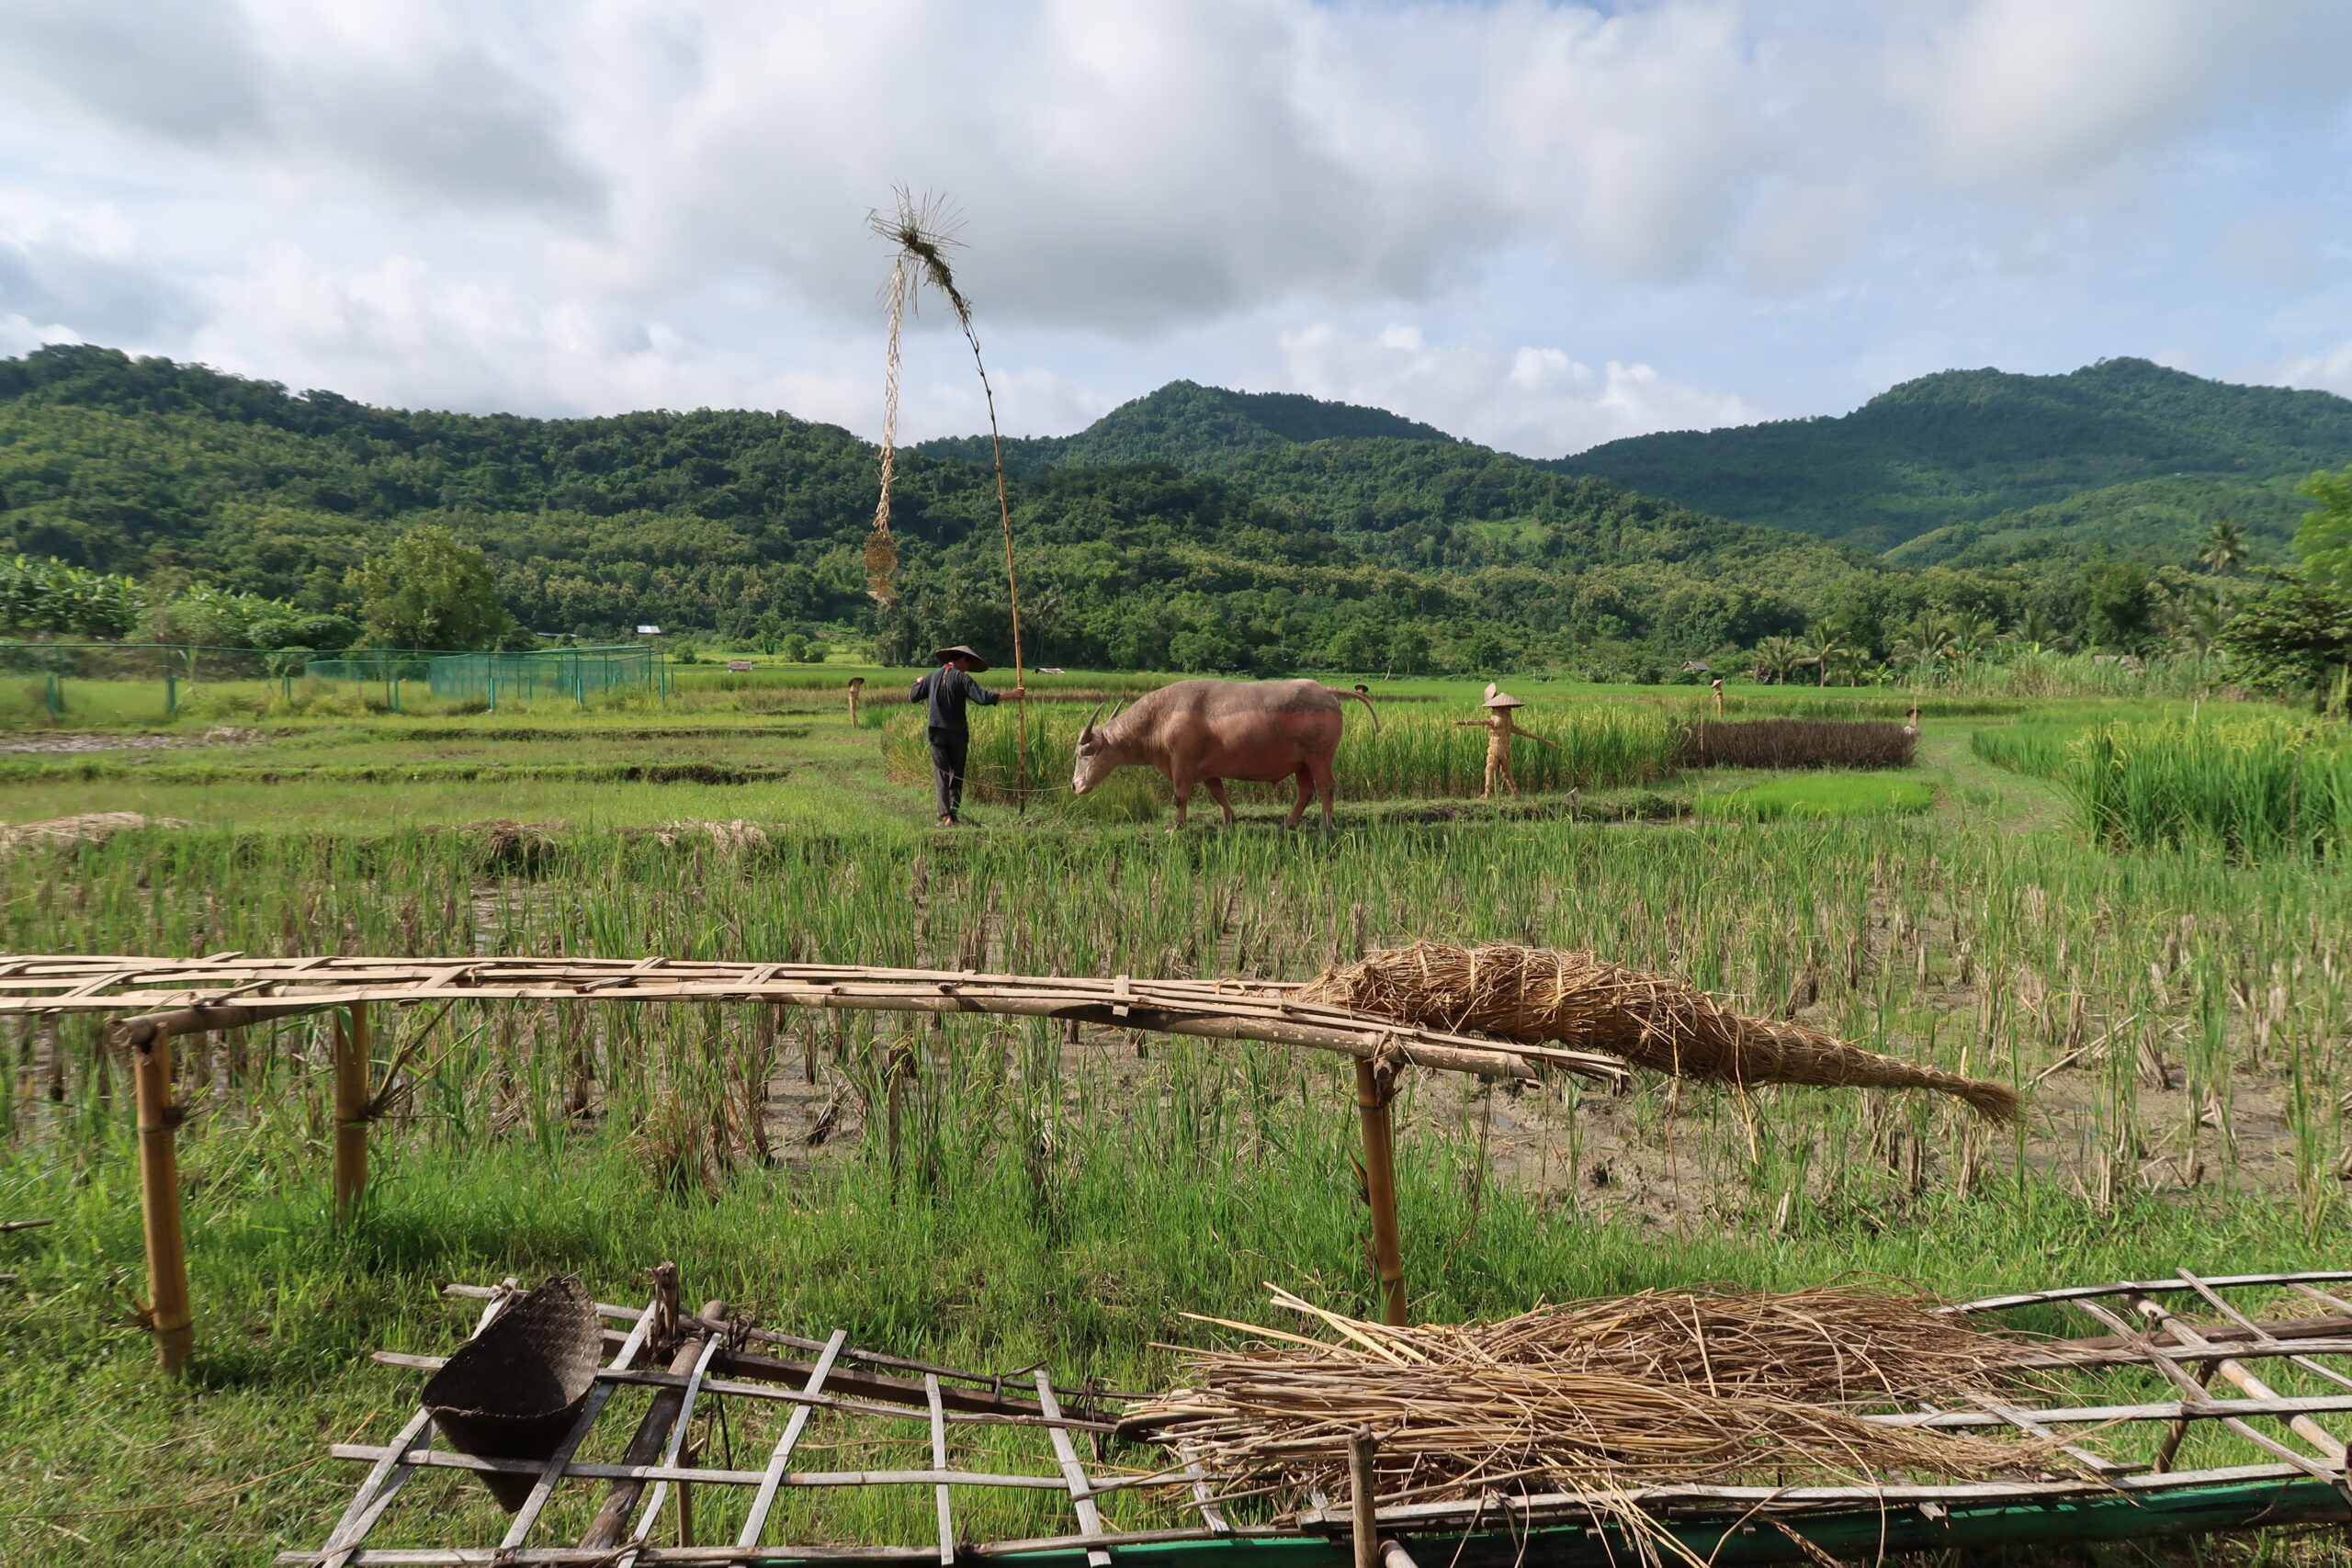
pixel 1533 994
pixel 924 229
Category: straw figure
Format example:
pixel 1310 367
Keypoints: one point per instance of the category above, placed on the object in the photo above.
pixel 856 688
pixel 1532 995
pixel 1499 729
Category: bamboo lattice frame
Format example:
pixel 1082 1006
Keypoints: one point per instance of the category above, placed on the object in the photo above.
pixel 727 1361
pixel 229 989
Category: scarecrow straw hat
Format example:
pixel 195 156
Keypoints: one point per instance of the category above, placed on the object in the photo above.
pixel 1500 699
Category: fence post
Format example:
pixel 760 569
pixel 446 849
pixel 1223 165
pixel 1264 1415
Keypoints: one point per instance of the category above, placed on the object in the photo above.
pixel 52 696
pixel 158 1197
pixel 350 1110
pixel 171 695
pixel 1375 1087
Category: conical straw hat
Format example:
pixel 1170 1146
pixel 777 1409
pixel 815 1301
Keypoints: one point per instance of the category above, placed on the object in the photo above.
pixel 1500 699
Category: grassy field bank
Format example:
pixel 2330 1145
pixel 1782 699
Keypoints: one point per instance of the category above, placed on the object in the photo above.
pixel 2176 1017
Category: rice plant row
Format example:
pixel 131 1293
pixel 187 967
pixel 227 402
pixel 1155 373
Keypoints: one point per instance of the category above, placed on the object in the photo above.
pixel 2252 788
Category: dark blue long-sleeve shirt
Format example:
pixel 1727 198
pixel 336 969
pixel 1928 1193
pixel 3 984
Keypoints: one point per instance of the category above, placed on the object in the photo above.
pixel 947 689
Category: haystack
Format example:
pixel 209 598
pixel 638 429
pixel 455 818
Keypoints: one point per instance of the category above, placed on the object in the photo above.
pixel 1604 1398
pixel 1534 994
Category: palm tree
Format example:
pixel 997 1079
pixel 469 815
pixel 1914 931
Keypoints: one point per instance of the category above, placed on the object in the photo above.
pixel 1775 656
pixel 1819 651
pixel 2225 549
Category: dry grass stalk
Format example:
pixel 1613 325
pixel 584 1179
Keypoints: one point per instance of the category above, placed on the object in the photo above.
pixel 1602 1398
pixel 1533 994
pixel 881 546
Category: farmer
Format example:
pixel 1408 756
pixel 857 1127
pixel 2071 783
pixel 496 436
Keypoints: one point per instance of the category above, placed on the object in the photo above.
pixel 947 690
pixel 1500 730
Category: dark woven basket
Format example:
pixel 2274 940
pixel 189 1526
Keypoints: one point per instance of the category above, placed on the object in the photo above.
pixel 513 1390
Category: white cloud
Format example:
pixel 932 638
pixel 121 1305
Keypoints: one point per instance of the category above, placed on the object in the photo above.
pixel 1540 403
pixel 2328 371
pixel 551 206
pixel 2025 91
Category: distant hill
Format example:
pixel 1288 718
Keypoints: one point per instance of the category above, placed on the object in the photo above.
pixel 2157 522
pixel 1197 429
pixel 1967 445
pixel 1284 546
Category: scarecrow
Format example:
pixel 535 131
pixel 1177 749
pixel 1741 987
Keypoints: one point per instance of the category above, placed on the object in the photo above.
pixel 1499 729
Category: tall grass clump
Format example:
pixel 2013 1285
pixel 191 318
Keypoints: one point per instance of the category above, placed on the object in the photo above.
pixel 2037 751
pixel 1411 755
pixel 2252 789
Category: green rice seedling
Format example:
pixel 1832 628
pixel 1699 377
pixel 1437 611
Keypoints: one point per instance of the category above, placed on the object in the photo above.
pixel 1817 797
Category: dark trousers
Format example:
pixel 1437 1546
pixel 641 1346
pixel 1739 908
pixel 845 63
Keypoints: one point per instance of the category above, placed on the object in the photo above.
pixel 949 748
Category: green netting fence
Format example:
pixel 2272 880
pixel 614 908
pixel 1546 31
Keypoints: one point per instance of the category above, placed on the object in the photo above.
pixel 107 682
pixel 578 673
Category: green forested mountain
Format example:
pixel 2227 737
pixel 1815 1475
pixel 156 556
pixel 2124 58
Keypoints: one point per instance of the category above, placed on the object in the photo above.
pixel 1195 428
pixel 2160 522
pixel 1357 552
pixel 1967 446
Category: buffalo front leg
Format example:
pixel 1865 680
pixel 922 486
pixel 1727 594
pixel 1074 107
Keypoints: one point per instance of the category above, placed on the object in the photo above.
pixel 1184 798
pixel 1216 793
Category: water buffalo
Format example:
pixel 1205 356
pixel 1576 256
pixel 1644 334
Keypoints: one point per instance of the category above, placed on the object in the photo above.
pixel 1208 731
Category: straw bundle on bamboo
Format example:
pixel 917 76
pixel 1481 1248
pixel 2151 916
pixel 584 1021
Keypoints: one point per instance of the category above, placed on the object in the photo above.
pixel 1601 1398
pixel 1533 994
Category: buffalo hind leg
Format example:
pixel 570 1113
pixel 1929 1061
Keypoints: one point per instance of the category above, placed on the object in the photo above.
pixel 1216 793
pixel 1305 792
pixel 1326 784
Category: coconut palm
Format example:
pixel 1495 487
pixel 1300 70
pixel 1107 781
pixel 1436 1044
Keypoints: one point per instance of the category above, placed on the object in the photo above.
pixel 1820 651
pixel 1775 656
pixel 2225 549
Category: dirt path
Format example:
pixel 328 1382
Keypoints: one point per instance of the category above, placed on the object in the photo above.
pixel 1970 787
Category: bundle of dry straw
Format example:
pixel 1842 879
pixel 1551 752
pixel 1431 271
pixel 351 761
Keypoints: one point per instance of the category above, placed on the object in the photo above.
pixel 1534 994
pixel 1600 1398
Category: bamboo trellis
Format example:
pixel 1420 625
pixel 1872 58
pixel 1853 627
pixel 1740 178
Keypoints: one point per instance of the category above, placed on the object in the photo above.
pixel 156 1000
pixel 714 1357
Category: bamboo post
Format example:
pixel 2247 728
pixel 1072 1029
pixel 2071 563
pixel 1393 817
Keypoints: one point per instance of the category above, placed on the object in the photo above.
pixel 1363 1499
pixel 1375 1087
pixel 856 686
pixel 351 1056
pixel 168 1316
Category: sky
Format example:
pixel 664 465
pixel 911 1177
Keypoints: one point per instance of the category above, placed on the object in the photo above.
pixel 1537 225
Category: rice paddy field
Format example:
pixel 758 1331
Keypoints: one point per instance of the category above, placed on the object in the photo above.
pixel 2159 966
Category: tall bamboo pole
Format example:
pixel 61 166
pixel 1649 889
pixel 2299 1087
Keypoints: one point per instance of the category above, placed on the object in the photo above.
pixel 159 1199
pixel 1374 1091
pixel 1012 580
pixel 351 1055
